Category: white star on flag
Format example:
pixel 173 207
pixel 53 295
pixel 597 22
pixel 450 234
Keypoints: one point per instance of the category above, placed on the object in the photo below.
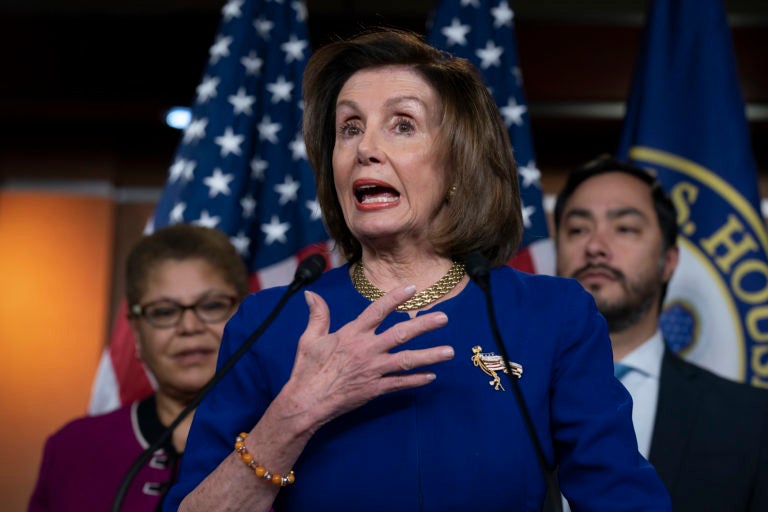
pixel 502 15
pixel 232 10
pixel 530 174
pixel 294 49
pixel 241 102
pixel 287 190
pixel 252 64
pixel 301 10
pixel 218 183
pixel 174 172
pixel 527 211
pixel 280 89
pixel 518 75
pixel 258 166
pixel 207 89
pixel 456 33
pixel 490 55
pixel 275 231
pixel 315 213
pixel 188 173
pixel 207 220
pixel 268 130
pixel 177 213
pixel 220 49
pixel 229 142
pixel 298 148
pixel 263 27
pixel 195 130
pixel 181 169
pixel 248 204
pixel 513 113
pixel 241 243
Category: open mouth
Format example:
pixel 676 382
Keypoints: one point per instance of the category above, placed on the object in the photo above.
pixel 375 194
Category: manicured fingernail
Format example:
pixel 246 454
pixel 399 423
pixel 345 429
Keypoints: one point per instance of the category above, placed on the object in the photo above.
pixel 410 289
pixel 430 376
pixel 309 298
pixel 441 318
pixel 448 352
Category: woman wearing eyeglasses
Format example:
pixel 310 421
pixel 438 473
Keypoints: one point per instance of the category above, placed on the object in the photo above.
pixel 182 285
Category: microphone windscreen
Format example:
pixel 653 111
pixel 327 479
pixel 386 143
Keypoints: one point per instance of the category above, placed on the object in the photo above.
pixel 478 267
pixel 310 268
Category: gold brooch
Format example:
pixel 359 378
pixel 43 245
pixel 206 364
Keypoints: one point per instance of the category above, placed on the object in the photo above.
pixel 490 363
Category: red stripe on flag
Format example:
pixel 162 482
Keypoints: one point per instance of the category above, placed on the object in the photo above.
pixel 523 261
pixel 324 248
pixel 253 282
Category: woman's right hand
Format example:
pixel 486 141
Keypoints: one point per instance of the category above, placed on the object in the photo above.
pixel 336 372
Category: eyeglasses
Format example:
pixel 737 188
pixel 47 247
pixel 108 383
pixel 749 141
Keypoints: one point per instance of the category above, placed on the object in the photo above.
pixel 168 313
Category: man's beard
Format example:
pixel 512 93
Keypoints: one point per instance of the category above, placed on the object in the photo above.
pixel 639 297
pixel 626 312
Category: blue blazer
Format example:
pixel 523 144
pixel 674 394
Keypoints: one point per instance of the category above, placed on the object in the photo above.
pixel 710 440
pixel 455 444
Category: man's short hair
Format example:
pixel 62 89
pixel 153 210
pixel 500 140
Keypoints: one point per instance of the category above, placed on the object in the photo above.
pixel 662 204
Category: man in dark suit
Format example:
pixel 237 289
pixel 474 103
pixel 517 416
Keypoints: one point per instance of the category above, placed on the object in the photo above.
pixel 616 233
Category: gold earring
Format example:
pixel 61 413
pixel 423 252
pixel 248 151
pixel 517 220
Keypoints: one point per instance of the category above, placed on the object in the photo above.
pixel 451 192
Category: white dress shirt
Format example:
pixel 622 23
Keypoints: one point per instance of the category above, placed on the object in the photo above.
pixel 642 382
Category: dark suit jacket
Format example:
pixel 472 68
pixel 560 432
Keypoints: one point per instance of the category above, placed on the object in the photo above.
pixel 710 440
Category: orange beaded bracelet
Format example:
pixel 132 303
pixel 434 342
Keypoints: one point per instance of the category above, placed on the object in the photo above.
pixel 260 471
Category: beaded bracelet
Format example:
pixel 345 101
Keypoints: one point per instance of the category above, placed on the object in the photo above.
pixel 260 471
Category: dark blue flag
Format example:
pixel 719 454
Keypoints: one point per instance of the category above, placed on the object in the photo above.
pixel 686 121
pixel 482 31
pixel 241 165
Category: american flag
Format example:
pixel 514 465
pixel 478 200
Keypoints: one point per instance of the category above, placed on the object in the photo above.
pixel 240 167
pixel 482 31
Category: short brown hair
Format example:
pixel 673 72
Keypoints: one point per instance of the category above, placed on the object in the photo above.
pixel 483 212
pixel 183 242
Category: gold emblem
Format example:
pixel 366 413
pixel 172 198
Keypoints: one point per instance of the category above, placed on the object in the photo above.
pixel 490 363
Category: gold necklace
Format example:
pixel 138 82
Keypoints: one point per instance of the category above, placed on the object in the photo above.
pixel 418 301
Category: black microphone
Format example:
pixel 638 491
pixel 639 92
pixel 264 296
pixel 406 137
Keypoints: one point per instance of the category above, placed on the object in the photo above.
pixel 307 271
pixel 479 270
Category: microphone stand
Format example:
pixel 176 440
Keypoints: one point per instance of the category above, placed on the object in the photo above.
pixel 478 269
pixel 308 270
